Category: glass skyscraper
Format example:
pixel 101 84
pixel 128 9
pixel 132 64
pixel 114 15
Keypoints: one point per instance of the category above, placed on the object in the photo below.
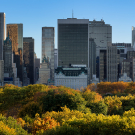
pixel 48 41
pixel 28 56
pixel 73 41
pixel 2 33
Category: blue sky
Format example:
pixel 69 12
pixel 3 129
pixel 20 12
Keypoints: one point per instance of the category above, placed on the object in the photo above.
pixel 35 14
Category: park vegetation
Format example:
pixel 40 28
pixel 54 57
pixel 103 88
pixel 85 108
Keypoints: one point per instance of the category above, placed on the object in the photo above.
pixel 102 109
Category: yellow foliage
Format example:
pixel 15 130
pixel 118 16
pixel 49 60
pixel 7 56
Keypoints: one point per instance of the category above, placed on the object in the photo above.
pixel 5 130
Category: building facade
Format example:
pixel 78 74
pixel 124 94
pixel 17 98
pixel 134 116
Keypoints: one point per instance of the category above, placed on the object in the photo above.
pixel 1 72
pixel 92 57
pixel 101 33
pixel 28 56
pixel 112 65
pixel 37 66
pixel 48 42
pixel 55 58
pixel 73 41
pixel 44 72
pixel 16 35
pixel 103 65
pixel 128 67
pixel 133 37
pixel 7 57
pixel 73 77
pixel 125 78
pixel 2 33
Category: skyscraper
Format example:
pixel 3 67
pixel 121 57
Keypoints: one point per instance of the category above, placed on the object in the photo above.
pixel 48 41
pixel 101 33
pixel 16 34
pixel 7 57
pixel 28 56
pixel 133 37
pixel 2 33
pixel 73 41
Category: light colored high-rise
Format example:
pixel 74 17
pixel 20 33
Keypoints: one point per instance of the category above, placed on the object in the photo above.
pixel 16 35
pixel 2 33
pixel 48 41
pixel 133 37
pixel 101 33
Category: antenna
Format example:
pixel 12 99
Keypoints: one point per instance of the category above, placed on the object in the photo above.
pixel 72 14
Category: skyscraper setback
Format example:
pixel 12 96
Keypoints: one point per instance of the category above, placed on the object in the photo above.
pixel 2 33
pixel 16 35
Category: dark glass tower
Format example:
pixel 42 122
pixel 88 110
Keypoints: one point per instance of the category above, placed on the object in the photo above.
pixel 73 42
pixel 28 56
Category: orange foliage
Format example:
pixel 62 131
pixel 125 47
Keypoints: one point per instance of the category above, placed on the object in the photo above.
pixel 91 95
pixel 108 87
pixel 44 124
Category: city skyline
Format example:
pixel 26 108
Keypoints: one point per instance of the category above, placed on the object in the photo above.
pixel 37 14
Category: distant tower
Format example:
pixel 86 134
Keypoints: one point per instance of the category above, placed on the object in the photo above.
pixel 28 56
pixel 133 37
pixel 7 57
pixel 2 33
pixel 48 41
pixel 16 35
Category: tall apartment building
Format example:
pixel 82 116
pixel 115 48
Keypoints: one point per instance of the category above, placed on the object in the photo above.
pixel 48 41
pixel 28 57
pixel 101 33
pixel 2 33
pixel 7 57
pixel 16 34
